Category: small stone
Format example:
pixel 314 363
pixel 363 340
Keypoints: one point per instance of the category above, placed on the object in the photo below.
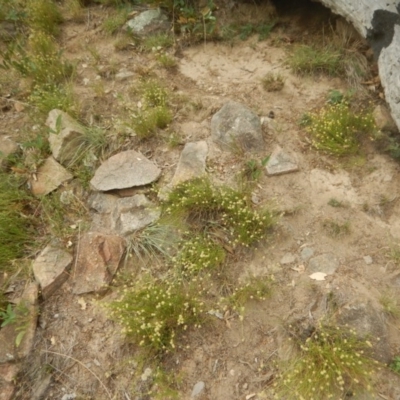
pixel 280 163
pixel 306 253
pixel 383 119
pixel 288 258
pixel 326 263
pixel 146 374
pixel 49 177
pixel 148 22
pixel 49 269
pixel 236 126
pixel 98 260
pixel 7 147
pixel 197 389
pixel 123 75
pixel 368 260
pixel 66 136
pixel 192 162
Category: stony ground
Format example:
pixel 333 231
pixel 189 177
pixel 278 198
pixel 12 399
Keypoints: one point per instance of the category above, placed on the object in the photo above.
pixel 234 357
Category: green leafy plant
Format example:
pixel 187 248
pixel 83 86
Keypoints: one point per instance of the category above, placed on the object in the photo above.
pixel 332 362
pixel 336 128
pixel 335 97
pixel 18 316
pixel 253 169
pixel 395 365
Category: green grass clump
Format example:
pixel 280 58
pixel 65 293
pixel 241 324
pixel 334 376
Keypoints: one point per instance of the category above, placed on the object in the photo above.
pixel 336 228
pixel 310 60
pixel 155 312
pixel 43 16
pixel 199 253
pixel 333 363
pixel 155 113
pixel 40 60
pixel 273 82
pixel 157 42
pixel 204 205
pixel 336 128
pixel 15 227
pixel 113 23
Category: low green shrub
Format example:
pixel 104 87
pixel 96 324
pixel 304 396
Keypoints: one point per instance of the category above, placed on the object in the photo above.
pixel 156 312
pixel 203 204
pixel 336 128
pixel 332 363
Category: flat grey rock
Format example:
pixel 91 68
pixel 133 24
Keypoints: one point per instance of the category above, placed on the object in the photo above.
pixel 326 263
pixel 148 22
pixel 192 162
pixel 306 253
pixel 49 269
pixel 280 163
pixel 197 389
pixel 125 170
pixel 133 213
pixel 235 126
pixel 288 258
pixel 49 177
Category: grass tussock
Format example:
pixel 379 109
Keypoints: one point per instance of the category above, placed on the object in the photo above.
pixel 332 363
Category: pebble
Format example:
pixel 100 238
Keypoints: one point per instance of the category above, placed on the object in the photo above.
pixel 288 258
pixel 197 389
pixel 368 260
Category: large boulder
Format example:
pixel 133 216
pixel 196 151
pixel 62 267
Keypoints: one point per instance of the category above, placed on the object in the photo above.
pixel 379 22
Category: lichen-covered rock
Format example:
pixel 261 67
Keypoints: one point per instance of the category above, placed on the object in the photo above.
pixel 148 22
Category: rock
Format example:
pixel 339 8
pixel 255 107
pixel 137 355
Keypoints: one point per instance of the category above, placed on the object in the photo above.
pixel 192 162
pixel 133 213
pixel 288 258
pixel 8 372
pixel 383 119
pixel 50 268
pixel 125 170
pixel 102 202
pixel 236 126
pixel 148 22
pixel 379 22
pixel 7 391
pixel 197 389
pixel 7 147
pixel 98 259
pixel 368 260
pixel 123 75
pixel 50 176
pixel 359 310
pixel 306 253
pixel 280 163
pixel 326 263
pixel 66 136
pixel 29 302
